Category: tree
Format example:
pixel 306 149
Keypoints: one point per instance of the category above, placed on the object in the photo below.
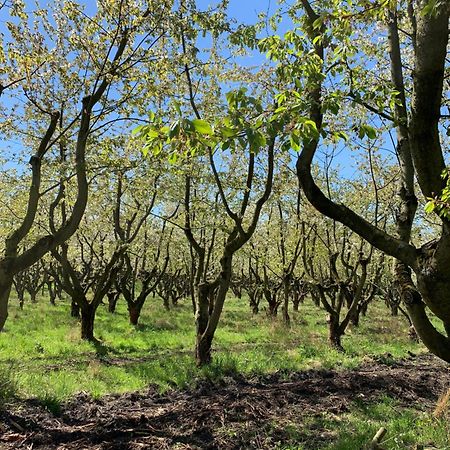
pixel 411 99
pixel 41 70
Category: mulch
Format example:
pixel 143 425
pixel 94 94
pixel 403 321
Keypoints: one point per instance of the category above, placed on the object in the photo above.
pixel 236 412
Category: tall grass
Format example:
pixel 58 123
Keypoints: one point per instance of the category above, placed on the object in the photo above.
pixel 8 384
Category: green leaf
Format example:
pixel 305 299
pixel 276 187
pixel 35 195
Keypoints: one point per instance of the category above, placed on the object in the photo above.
pixel 231 99
pixel 370 132
pixel 173 158
pixel 158 149
pixel 429 8
pixel 294 140
pixel 138 130
pixel 151 134
pixel 430 206
pixel 318 23
pixel 202 126
pixel 367 130
pixel 228 132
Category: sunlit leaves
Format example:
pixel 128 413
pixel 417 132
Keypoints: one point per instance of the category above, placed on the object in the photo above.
pixel 366 130
pixel 244 124
pixel 440 204
pixel 431 7
pixel 202 126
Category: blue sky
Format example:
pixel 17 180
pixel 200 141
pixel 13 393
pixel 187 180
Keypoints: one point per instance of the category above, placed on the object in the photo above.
pixel 246 12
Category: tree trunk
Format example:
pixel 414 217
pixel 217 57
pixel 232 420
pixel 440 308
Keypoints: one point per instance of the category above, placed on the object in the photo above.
pixel 315 298
pixel 394 310
pixel 203 345
pixel 74 310
pixel 87 323
pixel 112 305
pixel 255 308
pixel 112 300
pixel 203 350
pixel 52 295
pixel 273 307
pixel 286 318
pixel 166 302
pixel 297 299
pixel 254 301
pixel 334 333
pixel 364 309
pixel 5 290
pixel 354 319
pixel 134 312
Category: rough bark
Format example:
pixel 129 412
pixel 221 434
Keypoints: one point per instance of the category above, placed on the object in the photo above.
pixel 134 312
pixel 87 322
pixel 335 332
pixel 113 296
pixel 6 282
pixel 74 309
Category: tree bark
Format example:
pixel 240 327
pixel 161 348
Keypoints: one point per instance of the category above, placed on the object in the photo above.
pixel 203 350
pixel 52 296
pixel 335 332
pixel 5 290
pixel 203 344
pixel 286 292
pixel 87 323
pixel 113 296
pixel 134 312
pixel 74 310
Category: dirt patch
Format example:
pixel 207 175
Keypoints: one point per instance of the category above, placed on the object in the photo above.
pixel 234 413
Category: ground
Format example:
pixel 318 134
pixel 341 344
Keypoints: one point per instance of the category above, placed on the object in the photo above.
pixel 310 409
pixel 269 387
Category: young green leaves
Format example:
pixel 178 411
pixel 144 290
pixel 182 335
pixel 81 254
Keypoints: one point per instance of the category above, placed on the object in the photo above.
pixel 440 204
pixel 245 124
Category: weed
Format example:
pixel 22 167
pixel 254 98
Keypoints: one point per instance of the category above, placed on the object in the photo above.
pixel 8 384
pixel 51 403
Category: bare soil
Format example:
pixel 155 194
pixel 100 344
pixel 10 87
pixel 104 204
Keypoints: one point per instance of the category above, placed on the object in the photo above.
pixel 234 413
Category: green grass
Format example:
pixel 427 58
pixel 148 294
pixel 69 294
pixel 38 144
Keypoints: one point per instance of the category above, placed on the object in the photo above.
pixel 406 428
pixel 42 357
pixel 41 346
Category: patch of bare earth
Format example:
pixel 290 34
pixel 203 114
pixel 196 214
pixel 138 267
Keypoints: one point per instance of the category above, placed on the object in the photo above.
pixel 234 413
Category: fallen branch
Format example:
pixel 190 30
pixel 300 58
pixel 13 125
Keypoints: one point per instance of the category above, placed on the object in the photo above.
pixel 375 444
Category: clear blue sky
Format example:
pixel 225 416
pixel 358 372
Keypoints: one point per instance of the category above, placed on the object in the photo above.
pixel 245 11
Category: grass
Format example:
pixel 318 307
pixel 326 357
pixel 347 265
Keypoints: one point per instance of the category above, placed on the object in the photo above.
pixel 42 347
pixel 8 384
pixel 42 357
pixel 406 428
